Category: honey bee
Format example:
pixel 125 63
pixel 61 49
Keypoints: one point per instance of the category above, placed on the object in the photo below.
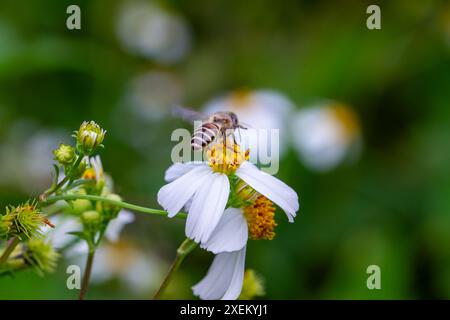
pixel 214 126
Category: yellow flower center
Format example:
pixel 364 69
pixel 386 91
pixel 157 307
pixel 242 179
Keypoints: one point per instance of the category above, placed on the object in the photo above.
pixel 241 98
pixel 260 217
pixel 90 174
pixel 225 158
pixel 348 119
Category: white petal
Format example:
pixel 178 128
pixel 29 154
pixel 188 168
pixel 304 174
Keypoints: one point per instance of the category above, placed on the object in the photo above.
pixel 207 207
pixel 174 195
pixel 116 225
pixel 179 169
pixel 230 234
pixel 224 278
pixel 270 187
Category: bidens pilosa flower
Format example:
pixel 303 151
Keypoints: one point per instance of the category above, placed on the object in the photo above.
pixel 207 184
pixel 229 200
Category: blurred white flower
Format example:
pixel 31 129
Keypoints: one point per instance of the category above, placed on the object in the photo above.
pixel 148 30
pixel 152 94
pixel 326 135
pixel 26 156
pixel 60 237
pixel 260 109
pixel 138 271
pixel 115 227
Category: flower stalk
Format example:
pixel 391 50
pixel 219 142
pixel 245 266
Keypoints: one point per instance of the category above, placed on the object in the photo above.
pixel 9 249
pixel 111 201
pixel 87 274
pixel 185 248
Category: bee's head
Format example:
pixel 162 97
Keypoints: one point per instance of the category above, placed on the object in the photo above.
pixel 234 119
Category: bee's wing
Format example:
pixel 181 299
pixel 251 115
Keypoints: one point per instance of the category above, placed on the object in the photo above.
pixel 188 114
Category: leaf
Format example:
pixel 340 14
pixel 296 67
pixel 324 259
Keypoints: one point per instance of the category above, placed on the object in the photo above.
pixel 80 234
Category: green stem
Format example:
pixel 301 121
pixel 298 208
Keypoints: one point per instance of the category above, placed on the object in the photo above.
pixel 58 186
pixel 118 203
pixel 87 274
pixel 9 249
pixel 186 247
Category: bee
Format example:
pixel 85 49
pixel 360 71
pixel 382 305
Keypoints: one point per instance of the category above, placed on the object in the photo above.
pixel 213 127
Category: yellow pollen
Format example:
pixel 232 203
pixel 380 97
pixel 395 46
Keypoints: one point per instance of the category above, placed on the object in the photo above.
pixel 260 217
pixel 225 158
pixel 89 174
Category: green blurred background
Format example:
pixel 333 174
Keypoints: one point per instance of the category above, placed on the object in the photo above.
pixel 391 207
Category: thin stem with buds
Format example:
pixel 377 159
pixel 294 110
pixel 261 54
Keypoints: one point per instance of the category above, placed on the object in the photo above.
pixel 118 203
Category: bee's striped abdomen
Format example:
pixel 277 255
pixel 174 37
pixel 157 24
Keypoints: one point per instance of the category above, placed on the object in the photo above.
pixel 204 135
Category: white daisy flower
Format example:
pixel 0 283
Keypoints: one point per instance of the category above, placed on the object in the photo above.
pixel 325 135
pixel 228 239
pixel 208 185
pixel 148 30
pixel 123 260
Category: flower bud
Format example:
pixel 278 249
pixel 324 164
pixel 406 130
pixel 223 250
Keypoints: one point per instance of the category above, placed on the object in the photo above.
pixel 64 154
pixel 89 137
pixel 41 255
pixel 91 219
pixel 5 224
pixel 253 286
pixel 245 193
pixel 81 205
pixel 108 210
pixel 23 221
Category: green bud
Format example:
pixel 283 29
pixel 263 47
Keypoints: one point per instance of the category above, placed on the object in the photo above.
pixel 23 221
pixel 91 219
pixel 253 286
pixel 89 137
pixel 81 205
pixel 5 225
pixel 109 211
pixel 41 255
pixel 64 154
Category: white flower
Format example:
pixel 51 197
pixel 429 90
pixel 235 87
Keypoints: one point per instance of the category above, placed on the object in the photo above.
pixel 116 225
pixel 325 135
pixel 123 260
pixel 148 30
pixel 208 186
pixel 228 238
